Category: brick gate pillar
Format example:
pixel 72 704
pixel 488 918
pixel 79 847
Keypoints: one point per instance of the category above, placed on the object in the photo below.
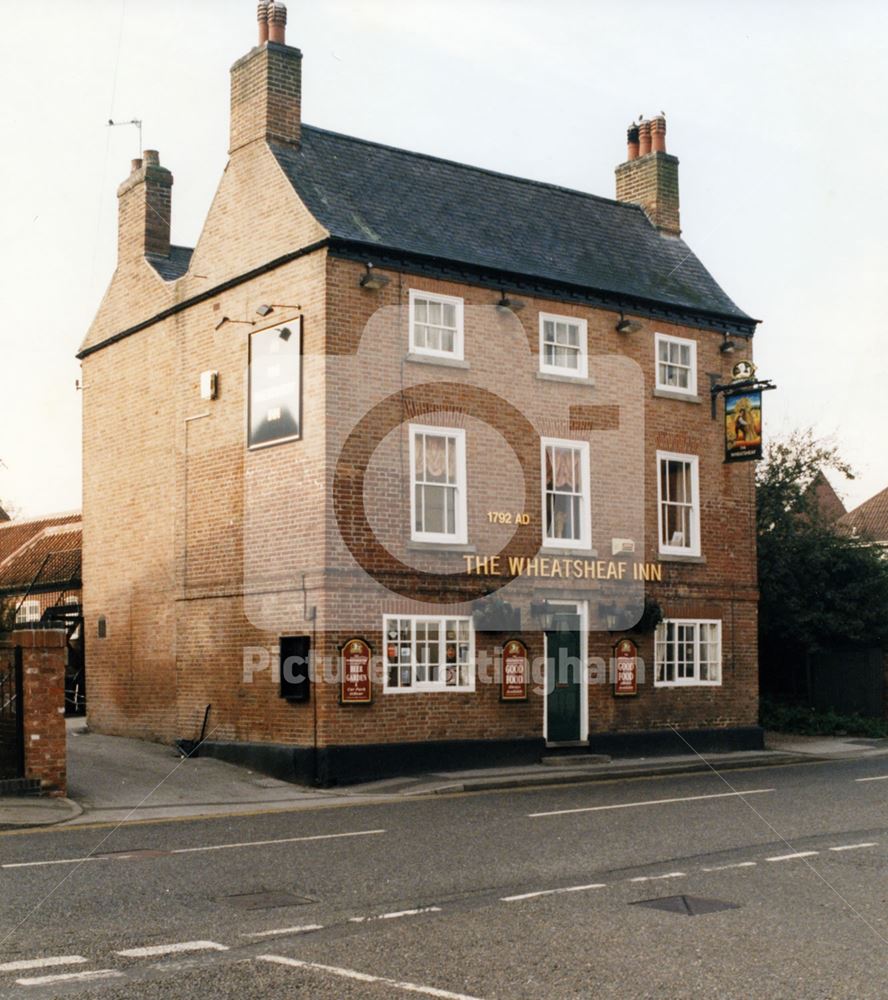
pixel 43 705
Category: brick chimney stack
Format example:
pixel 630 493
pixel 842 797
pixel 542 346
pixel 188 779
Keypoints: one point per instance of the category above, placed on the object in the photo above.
pixel 266 85
pixel 144 209
pixel 649 177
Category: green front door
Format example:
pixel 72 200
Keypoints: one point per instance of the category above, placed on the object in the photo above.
pixel 563 678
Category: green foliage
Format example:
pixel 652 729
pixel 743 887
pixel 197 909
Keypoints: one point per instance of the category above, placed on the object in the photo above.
pixel 782 718
pixel 819 586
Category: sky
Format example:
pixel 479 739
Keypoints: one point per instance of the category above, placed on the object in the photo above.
pixel 776 110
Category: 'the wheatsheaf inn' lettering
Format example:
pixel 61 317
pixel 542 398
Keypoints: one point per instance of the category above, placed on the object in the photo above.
pixel 566 569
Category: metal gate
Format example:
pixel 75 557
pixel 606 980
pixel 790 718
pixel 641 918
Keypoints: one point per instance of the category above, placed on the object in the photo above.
pixel 12 736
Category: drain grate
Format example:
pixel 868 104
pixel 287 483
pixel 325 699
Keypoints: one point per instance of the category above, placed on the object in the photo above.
pixel 690 906
pixel 266 900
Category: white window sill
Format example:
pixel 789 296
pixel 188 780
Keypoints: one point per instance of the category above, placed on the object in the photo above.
pixel 441 547
pixel 681 557
pixel 426 689
pixel 583 553
pixel 434 359
pixel 686 684
pixel 572 379
pixel 684 397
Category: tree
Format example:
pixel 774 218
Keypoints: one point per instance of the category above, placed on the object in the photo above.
pixel 7 615
pixel 820 588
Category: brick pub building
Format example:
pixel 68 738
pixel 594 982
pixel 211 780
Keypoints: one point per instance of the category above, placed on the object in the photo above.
pixel 438 409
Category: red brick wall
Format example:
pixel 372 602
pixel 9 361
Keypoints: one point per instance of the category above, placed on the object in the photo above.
pixel 43 700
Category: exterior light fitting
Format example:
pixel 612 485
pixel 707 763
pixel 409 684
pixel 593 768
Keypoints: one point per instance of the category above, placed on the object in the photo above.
pixel 225 319
pixel 264 310
pixel 372 279
pixel 727 346
pixel 627 325
pixel 509 305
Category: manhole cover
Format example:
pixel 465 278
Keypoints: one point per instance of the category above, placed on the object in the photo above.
pixel 266 900
pixel 690 906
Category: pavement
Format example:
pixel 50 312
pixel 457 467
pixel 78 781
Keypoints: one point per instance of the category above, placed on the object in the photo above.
pixel 118 780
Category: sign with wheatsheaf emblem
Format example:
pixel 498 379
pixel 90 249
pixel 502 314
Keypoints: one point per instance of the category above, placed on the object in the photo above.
pixel 357 685
pixel 515 671
pixel 743 426
pixel 626 668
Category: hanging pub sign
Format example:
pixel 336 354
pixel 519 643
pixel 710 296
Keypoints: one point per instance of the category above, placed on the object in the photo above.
pixel 743 425
pixel 357 686
pixel 626 668
pixel 515 671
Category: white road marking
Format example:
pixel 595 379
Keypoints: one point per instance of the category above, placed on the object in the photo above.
pixel 281 931
pixel 196 850
pixel 396 914
pixel 792 857
pixel 879 777
pixel 854 847
pixel 552 892
pixel 41 864
pixel 363 977
pixel 42 963
pixel 657 878
pixel 70 977
pixel 171 949
pixel 737 864
pixel 650 802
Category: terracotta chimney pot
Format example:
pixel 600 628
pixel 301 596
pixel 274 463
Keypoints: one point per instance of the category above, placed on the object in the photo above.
pixel 658 134
pixel 644 138
pixel 262 18
pixel 632 142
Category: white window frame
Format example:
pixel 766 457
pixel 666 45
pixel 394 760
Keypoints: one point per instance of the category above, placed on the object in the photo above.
pixel 584 541
pixel 29 613
pixel 428 686
pixel 458 337
pixel 693 546
pixel 582 369
pixel 691 388
pixel 461 534
pixel 661 644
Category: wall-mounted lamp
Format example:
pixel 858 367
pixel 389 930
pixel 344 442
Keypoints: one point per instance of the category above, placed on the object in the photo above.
pixel 543 610
pixel 265 310
pixel 506 304
pixel 727 346
pixel 627 325
pixel 225 319
pixel 373 279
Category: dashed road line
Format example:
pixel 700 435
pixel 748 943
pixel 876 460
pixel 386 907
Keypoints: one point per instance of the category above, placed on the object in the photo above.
pixel 658 878
pixel 792 857
pixel 363 977
pixel 152 951
pixel 197 850
pixel 855 847
pixel 70 977
pixel 650 802
pixel 736 864
pixel 878 777
pixel 396 915
pixel 42 963
pixel 282 931
pixel 552 892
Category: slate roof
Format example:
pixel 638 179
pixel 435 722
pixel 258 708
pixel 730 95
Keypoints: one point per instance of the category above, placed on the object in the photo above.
pixel 870 519
pixel 393 199
pixel 172 267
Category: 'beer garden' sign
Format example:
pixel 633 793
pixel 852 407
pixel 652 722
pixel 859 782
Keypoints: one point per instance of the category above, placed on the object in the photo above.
pixel 357 686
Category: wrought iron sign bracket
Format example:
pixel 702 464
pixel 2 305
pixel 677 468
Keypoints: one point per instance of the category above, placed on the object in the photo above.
pixel 747 385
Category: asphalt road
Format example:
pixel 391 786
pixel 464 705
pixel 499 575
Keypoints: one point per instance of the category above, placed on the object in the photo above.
pixel 778 879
